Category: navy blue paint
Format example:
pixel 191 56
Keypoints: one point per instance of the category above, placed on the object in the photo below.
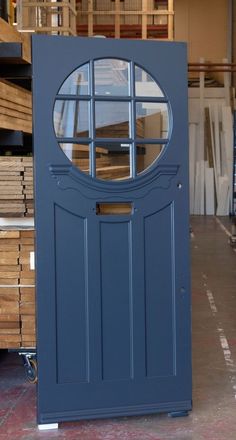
pixel 71 316
pixel 109 287
pixel 160 271
pixel 116 307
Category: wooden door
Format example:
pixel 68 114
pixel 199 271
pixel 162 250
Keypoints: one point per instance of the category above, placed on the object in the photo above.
pixel 111 185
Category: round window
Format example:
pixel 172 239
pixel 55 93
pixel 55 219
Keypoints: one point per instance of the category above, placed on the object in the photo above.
pixel 111 119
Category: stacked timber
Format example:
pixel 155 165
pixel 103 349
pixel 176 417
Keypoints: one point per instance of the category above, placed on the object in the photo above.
pixel 27 316
pixel 15 107
pixel 211 156
pixel 27 290
pixel 11 189
pixel 9 296
pixel 17 303
pixel 16 186
pixel 9 34
pixel 28 188
pixel 211 146
pixel 9 290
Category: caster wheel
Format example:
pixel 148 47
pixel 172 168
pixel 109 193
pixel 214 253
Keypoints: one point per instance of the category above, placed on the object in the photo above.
pixel 31 371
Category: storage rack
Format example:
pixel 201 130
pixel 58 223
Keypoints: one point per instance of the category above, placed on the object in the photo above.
pixel 47 17
pixel 234 169
pixel 17 291
pixel 146 19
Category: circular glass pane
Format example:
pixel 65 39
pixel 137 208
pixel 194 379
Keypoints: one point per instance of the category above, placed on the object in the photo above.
pixel 108 115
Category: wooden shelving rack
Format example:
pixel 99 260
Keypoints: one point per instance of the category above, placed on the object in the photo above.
pixel 17 291
pixel 47 16
pixel 144 19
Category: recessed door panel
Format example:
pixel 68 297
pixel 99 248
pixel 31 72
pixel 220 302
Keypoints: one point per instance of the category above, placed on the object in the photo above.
pixel 71 297
pixel 116 296
pixel 159 249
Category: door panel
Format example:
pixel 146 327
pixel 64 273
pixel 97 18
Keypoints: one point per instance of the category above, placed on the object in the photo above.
pixel 71 310
pixel 159 242
pixel 116 297
pixel 111 186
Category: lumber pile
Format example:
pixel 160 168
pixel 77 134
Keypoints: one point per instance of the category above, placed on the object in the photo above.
pixel 17 302
pixel 27 290
pixel 9 318
pixel 16 186
pixel 120 130
pixel 8 34
pixel 28 188
pixel 15 108
pixel 27 316
pixel 211 145
pixel 111 163
pixel 211 174
pixel 113 172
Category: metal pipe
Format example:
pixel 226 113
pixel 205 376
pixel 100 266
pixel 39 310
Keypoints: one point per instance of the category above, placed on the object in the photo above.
pixel 230 31
pixel 212 64
pixel 212 70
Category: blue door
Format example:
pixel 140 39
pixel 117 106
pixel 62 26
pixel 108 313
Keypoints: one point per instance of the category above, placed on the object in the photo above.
pixel 111 186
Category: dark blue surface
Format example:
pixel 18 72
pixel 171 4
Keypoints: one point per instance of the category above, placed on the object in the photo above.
pixel 113 292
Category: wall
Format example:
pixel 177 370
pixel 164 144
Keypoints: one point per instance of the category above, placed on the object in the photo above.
pixel 203 24
pixel 234 40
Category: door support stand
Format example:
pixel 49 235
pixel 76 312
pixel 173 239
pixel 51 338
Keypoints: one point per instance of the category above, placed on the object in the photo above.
pixel 48 426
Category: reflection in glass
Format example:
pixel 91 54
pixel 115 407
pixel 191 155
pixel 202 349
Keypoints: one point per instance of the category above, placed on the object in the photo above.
pixel 78 154
pixel 113 161
pixel 147 154
pixel 77 83
pixel 152 120
pixel 115 123
pixel 71 118
pixel 145 84
pixel 111 77
pixel 112 119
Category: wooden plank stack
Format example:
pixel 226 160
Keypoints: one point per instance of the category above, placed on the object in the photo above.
pixel 27 316
pixel 9 292
pixel 15 107
pixel 16 186
pixel 15 201
pixel 17 303
pixel 211 146
pixel 8 34
pixel 28 189
pixel 211 171
pixel 11 189
pixel 27 290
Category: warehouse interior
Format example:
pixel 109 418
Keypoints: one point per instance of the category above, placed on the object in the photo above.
pixel 209 30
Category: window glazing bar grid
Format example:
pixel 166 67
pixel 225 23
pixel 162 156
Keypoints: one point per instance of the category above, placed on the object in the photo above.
pixel 157 100
pixel 105 141
pixel 92 131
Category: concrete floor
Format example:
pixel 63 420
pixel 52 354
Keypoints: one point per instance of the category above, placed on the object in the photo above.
pixel 214 363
